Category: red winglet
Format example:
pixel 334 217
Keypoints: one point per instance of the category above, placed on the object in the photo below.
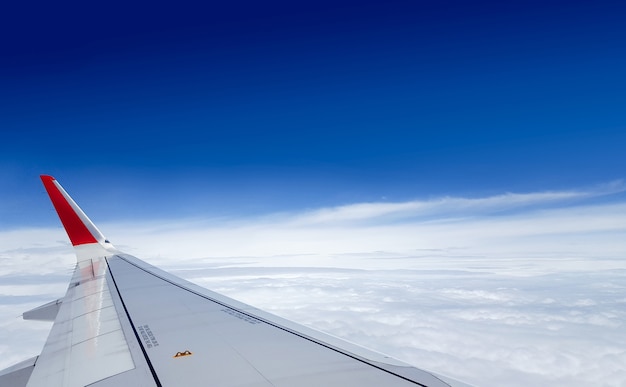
pixel 74 226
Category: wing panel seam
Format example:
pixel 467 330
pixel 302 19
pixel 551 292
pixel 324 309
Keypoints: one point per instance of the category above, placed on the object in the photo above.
pixel 132 325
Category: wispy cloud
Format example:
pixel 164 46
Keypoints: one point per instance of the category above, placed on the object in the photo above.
pixel 513 289
pixel 453 205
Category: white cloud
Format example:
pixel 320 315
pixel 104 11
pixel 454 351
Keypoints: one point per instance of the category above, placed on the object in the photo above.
pixel 508 290
pixel 451 205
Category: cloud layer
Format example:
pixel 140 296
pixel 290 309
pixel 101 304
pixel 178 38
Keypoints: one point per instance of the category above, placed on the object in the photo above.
pixel 514 289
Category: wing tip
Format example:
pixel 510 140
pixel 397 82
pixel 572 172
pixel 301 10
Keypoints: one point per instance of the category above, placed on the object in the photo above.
pixel 79 228
pixel 47 179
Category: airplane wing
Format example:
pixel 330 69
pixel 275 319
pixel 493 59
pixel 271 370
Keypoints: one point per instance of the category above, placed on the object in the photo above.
pixel 123 322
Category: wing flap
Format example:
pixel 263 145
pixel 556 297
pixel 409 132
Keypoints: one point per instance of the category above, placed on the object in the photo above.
pixel 45 312
pixel 86 343
pixel 18 375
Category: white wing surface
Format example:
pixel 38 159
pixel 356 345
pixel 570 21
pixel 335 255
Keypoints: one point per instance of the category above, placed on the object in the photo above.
pixel 124 322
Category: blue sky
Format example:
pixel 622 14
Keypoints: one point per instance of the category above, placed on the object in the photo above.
pixel 445 178
pixel 252 108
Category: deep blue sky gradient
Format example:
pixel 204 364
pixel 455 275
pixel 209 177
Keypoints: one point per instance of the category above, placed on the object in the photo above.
pixel 251 107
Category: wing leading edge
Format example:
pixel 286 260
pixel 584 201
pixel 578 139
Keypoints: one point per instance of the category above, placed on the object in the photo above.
pixel 125 322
